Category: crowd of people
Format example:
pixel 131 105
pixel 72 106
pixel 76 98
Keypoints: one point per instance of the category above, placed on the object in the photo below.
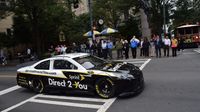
pixel 104 48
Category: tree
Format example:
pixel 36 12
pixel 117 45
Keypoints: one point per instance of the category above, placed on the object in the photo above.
pixel 42 20
pixel 112 10
pixel 183 13
pixel 156 18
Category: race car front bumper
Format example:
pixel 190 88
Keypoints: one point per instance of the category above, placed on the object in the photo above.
pixel 130 86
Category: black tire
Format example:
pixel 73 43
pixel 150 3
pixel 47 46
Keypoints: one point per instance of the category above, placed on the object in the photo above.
pixel 37 85
pixel 105 88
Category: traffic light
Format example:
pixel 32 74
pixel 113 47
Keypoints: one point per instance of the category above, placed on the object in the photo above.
pixel 76 2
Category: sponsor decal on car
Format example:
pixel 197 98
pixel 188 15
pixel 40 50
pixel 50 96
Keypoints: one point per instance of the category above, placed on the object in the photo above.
pixel 80 86
pixel 41 72
pixel 53 82
pixel 76 77
pixel 69 84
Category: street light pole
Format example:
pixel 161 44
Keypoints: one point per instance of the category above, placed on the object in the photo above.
pixel 164 16
pixel 91 19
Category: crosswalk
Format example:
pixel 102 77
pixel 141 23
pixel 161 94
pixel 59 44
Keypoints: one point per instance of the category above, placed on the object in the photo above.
pixel 101 105
pixel 197 50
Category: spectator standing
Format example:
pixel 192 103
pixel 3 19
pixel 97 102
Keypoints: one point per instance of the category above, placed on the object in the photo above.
pixel 28 52
pixel 158 45
pixel 110 47
pixel 146 45
pixel 141 48
pixel 119 47
pixel 174 46
pixel 126 49
pixel 58 50
pixel 181 44
pixel 167 44
pixel 82 48
pixel 99 49
pixel 104 49
pixel 63 49
pixel 74 47
pixel 51 50
pixel 152 45
pixel 134 44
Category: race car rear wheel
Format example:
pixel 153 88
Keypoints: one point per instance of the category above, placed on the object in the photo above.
pixel 105 87
pixel 37 85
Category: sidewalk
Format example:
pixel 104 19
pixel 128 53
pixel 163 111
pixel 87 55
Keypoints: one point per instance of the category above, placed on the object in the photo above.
pixel 14 65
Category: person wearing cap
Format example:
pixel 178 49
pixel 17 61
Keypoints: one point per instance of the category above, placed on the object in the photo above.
pixel 134 44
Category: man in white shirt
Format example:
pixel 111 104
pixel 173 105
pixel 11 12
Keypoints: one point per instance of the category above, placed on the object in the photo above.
pixel 167 44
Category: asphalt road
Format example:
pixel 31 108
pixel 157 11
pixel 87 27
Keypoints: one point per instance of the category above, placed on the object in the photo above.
pixel 172 85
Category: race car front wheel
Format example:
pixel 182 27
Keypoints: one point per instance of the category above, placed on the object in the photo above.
pixel 37 85
pixel 105 87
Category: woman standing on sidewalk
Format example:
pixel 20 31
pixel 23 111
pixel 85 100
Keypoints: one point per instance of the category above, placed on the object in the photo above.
pixel 146 45
pixel 152 47
pixel 126 49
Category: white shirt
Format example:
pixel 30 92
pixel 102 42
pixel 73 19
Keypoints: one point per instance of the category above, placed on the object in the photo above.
pixel 167 42
pixel 104 45
pixel 28 51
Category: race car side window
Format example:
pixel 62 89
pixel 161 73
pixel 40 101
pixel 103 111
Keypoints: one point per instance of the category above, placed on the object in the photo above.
pixel 43 65
pixel 63 64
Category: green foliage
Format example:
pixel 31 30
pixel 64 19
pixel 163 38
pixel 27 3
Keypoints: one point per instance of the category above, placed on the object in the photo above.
pixel 184 12
pixel 130 28
pixel 6 40
pixel 157 18
pixel 112 12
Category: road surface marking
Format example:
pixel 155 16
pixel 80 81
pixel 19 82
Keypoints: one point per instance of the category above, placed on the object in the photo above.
pixel 143 65
pixel 66 103
pixel 19 104
pixel 198 51
pixel 112 100
pixel 9 90
pixel 73 98
pixel 106 105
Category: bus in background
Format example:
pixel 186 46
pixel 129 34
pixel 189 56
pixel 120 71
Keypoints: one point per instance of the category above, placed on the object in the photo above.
pixel 189 34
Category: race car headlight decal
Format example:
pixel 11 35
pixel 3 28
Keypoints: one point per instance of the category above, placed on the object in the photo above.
pixel 127 76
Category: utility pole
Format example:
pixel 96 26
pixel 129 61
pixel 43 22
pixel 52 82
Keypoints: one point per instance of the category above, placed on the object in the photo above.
pixel 91 19
pixel 164 18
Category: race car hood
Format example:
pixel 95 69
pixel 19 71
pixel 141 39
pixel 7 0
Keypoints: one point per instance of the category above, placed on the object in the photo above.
pixel 116 69
pixel 116 66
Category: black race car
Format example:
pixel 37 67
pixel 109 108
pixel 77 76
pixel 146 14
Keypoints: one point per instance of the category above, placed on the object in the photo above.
pixel 82 72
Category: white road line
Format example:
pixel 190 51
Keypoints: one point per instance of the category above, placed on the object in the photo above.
pixel 143 65
pixel 73 98
pixel 106 105
pixel 132 60
pixel 9 90
pixel 19 104
pixel 66 103
pixel 197 51
pixel 135 62
pixel 111 101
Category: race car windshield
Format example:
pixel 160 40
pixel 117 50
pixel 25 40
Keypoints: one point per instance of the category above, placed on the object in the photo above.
pixel 90 62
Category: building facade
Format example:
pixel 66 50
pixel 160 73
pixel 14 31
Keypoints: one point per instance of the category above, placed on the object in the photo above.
pixel 6 21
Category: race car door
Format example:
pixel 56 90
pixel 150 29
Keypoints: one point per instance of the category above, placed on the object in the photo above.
pixel 74 78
